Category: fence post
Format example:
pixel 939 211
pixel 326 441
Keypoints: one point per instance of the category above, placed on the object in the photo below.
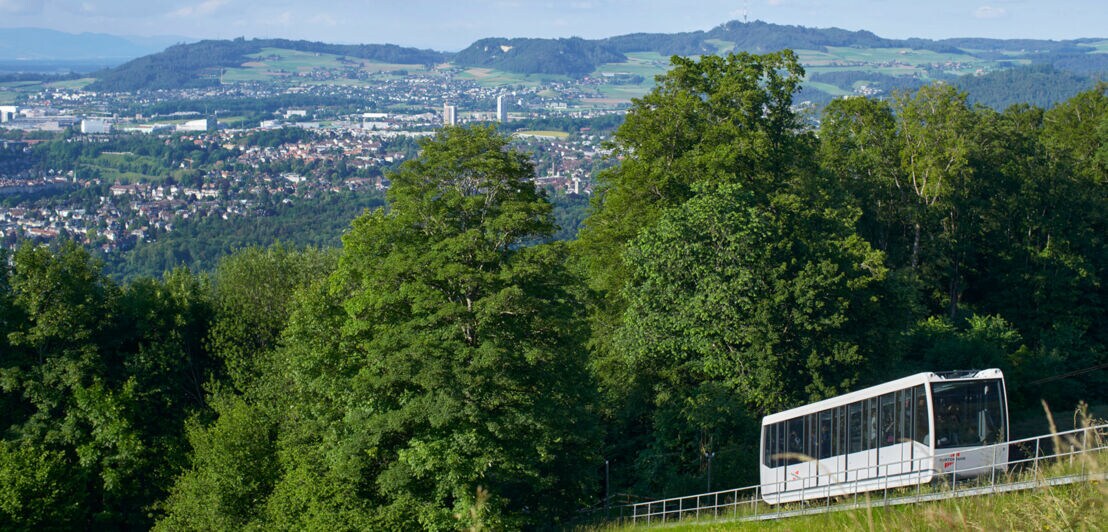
pixel 1036 468
pixel 754 501
pixel 885 500
pixel 1084 448
pixel 954 476
pixel 992 479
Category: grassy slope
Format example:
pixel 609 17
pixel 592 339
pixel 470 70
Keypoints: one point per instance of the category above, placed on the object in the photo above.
pixel 276 63
pixel 1073 507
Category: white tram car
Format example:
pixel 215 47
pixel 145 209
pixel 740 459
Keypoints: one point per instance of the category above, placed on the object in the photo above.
pixel 881 437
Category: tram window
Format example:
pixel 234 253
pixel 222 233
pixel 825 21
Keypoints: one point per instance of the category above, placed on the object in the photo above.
pixel 838 429
pixel 919 415
pixel 968 413
pixel 794 444
pixel 824 434
pixel 773 445
pixel 904 415
pixel 871 423
pixel 813 435
pixel 854 426
pixel 782 443
pixel 767 444
pixel 887 434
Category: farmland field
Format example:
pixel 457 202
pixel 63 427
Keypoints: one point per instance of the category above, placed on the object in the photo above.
pixel 276 63
pixel 543 134
pixel 488 77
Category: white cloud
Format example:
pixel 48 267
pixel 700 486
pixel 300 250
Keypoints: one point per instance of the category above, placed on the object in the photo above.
pixel 206 7
pixel 324 19
pixel 21 7
pixel 987 12
pixel 775 2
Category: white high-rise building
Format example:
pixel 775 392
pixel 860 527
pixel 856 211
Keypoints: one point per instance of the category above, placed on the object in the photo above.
pixel 449 115
pixel 502 108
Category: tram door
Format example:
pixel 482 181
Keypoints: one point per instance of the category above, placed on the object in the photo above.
pixel 796 468
pixel 774 460
pixel 856 457
pixel 888 450
pixel 812 435
pixel 824 449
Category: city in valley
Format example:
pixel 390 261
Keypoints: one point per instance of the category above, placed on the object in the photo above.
pixel 81 165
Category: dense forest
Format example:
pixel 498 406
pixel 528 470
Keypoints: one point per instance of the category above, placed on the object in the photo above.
pixel 1040 85
pixel 453 365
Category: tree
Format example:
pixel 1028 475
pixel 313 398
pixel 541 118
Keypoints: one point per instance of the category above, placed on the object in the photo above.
pixel 860 149
pixel 757 306
pixel 712 120
pixel 441 360
pixel 98 381
pixel 472 372
pixel 713 124
pixel 253 288
pixel 935 136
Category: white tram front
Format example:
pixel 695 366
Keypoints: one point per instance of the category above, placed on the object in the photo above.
pixel 881 437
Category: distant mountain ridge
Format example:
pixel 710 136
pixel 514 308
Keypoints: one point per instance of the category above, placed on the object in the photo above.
pixel 197 64
pixel 535 56
pixel 37 44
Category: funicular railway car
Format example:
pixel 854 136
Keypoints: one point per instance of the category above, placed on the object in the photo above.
pixel 881 437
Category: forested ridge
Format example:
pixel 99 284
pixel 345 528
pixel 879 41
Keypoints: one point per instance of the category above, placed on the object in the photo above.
pixel 451 366
pixel 199 64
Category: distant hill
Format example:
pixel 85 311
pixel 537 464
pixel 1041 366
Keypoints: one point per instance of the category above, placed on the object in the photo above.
pixel 574 56
pixel 36 44
pixel 1039 85
pixel 839 62
pixel 579 56
pixel 198 64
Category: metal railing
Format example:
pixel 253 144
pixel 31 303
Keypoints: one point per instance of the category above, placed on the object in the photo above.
pixel 1022 456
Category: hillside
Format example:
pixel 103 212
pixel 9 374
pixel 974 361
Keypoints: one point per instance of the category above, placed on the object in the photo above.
pixel 573 56
pixel 837 62
pixel 1038 85
pixel 200 64
pixel 569 56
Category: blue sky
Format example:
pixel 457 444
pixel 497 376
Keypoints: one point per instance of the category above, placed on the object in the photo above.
pixel 453 24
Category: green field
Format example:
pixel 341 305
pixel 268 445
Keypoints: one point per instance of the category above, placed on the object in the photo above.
pixel 645 64
pixel 489 77
pixel 71 83
pixel 722 47
pixel 543 134
pixel 1101 47
pixel 129 168
pixel 827 87
pixel 273 64
pixel 624 93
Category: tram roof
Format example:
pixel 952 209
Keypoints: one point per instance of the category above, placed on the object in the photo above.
pixel 881 389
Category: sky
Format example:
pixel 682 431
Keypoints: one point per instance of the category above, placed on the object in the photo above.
pixel 450 25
